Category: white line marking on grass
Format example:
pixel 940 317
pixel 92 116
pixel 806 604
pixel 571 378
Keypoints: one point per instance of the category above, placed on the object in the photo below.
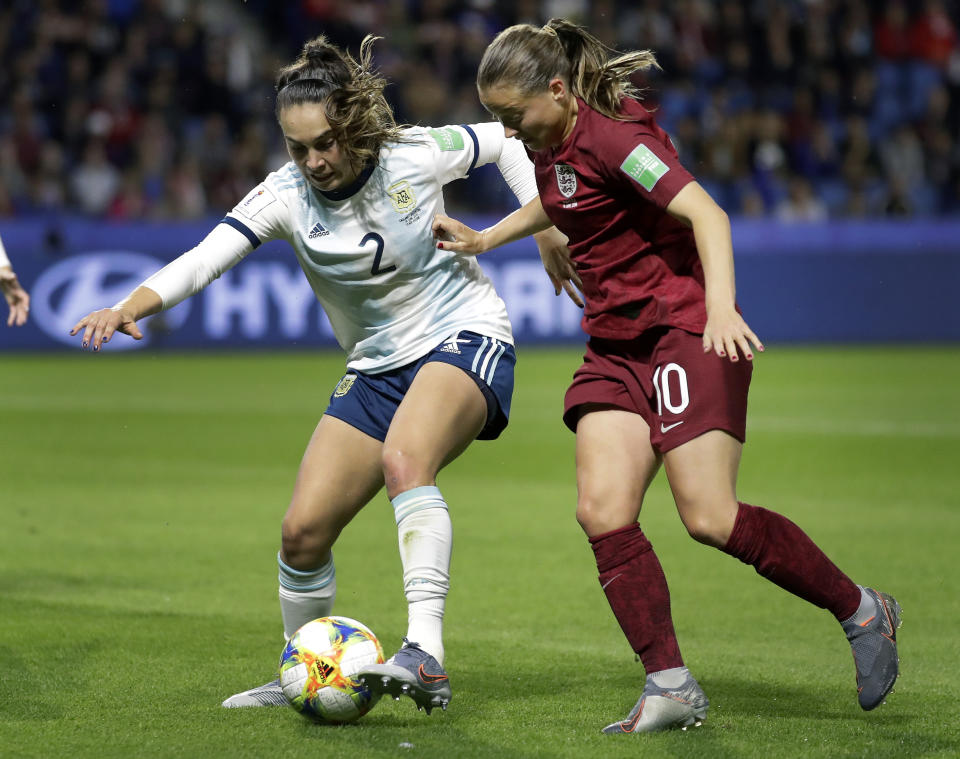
pixel 854 427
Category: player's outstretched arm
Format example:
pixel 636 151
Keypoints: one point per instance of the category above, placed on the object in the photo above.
pixel 458 237
pixel 98 327
pixel 186 275
pixel 17 298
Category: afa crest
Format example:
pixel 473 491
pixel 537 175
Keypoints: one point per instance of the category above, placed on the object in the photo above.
pixel 566 179
pixel 401 195
pixel 345 384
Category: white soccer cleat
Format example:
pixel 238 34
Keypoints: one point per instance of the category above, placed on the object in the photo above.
pixel 664 709
pixel 269 694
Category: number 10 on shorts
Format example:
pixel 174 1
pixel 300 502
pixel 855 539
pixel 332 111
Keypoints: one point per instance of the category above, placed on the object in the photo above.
pixel 676 399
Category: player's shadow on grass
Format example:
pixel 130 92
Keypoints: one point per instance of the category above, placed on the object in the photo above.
pixel 414 732
pixel 903 722
pixel 745 698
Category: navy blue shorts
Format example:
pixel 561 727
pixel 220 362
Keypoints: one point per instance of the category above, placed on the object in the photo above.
pixel 369 401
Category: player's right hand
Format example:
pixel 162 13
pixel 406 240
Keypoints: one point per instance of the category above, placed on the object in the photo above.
pixel 99 326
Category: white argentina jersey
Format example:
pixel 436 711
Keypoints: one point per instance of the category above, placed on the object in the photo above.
pixel 369 253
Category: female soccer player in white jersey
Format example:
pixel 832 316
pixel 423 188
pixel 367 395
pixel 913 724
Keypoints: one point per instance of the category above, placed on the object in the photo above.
pixel 418 324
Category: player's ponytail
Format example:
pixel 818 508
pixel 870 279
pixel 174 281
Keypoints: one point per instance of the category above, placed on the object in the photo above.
pixel 321 54
pixel 528 58
pixel 351 92
pixel 320 70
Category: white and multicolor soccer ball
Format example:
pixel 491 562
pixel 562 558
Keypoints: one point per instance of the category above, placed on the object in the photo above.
pixel 318 669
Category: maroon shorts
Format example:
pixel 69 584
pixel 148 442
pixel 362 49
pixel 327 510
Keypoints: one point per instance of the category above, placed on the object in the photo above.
pixel 664 375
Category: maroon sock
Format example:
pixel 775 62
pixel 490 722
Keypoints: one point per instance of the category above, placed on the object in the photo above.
pixel 780 551
pixel 631 576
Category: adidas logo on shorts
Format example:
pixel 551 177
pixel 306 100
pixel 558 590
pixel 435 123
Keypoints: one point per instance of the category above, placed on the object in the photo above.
pixel 450 344
pixel 318 231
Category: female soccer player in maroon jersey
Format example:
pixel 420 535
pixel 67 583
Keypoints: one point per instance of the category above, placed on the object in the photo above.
pixel 662 381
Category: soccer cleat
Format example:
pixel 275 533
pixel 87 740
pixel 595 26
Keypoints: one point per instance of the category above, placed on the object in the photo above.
pixel 410 672
pixel 874 647
pixel 269 694
pixel 665 708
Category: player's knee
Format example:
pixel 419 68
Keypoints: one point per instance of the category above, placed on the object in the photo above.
pixel 599 515
pixel 305 546
pixel 710 527
pixel 403 470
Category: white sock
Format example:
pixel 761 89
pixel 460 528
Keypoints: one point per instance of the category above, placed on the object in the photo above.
pixel 670 678
pixel 426 539
pixel 865 612
pixel 305 596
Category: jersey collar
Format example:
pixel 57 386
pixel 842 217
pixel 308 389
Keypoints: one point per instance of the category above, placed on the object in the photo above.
pixel 351 189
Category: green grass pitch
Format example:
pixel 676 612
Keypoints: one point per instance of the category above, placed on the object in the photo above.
pixel 141 504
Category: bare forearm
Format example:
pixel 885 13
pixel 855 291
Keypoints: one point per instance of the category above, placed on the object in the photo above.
pixel 141 302
pixel 711 232
pixel 523 222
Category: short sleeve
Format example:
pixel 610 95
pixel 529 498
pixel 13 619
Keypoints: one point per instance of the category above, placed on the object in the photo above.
pixel 262 215
pixel 641 163
pixel 455 150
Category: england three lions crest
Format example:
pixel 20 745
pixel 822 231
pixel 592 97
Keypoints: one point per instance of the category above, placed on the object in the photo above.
pixel 566 179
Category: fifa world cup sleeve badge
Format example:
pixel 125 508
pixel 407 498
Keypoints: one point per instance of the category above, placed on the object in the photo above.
pixel 345 384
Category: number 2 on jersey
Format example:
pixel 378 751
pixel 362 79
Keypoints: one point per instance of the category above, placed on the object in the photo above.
pixel 375 269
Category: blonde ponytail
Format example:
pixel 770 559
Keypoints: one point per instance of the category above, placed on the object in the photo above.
pixel 527 58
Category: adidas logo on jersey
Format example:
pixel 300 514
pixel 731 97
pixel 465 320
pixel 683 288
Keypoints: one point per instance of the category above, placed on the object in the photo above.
pixel 318 231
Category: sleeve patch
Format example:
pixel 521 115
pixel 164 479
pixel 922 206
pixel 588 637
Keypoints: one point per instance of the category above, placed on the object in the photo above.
pixel 447 138
pixel 643 166
pixel 256 201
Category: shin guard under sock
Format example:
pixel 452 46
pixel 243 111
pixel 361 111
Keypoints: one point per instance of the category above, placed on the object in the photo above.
pixel 636 588
pixel 784 554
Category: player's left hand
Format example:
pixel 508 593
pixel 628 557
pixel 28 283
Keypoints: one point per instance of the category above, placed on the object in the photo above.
pixel 17 298
pixel 552 244
pixel 456 236
pixel 727 334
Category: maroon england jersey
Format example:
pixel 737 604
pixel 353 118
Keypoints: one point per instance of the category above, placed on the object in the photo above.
pixel 606 188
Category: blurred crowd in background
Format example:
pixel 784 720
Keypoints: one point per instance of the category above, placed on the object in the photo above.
pixel 792 109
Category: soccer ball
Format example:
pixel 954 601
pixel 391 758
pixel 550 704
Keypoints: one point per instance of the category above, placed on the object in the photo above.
pixel 318 667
